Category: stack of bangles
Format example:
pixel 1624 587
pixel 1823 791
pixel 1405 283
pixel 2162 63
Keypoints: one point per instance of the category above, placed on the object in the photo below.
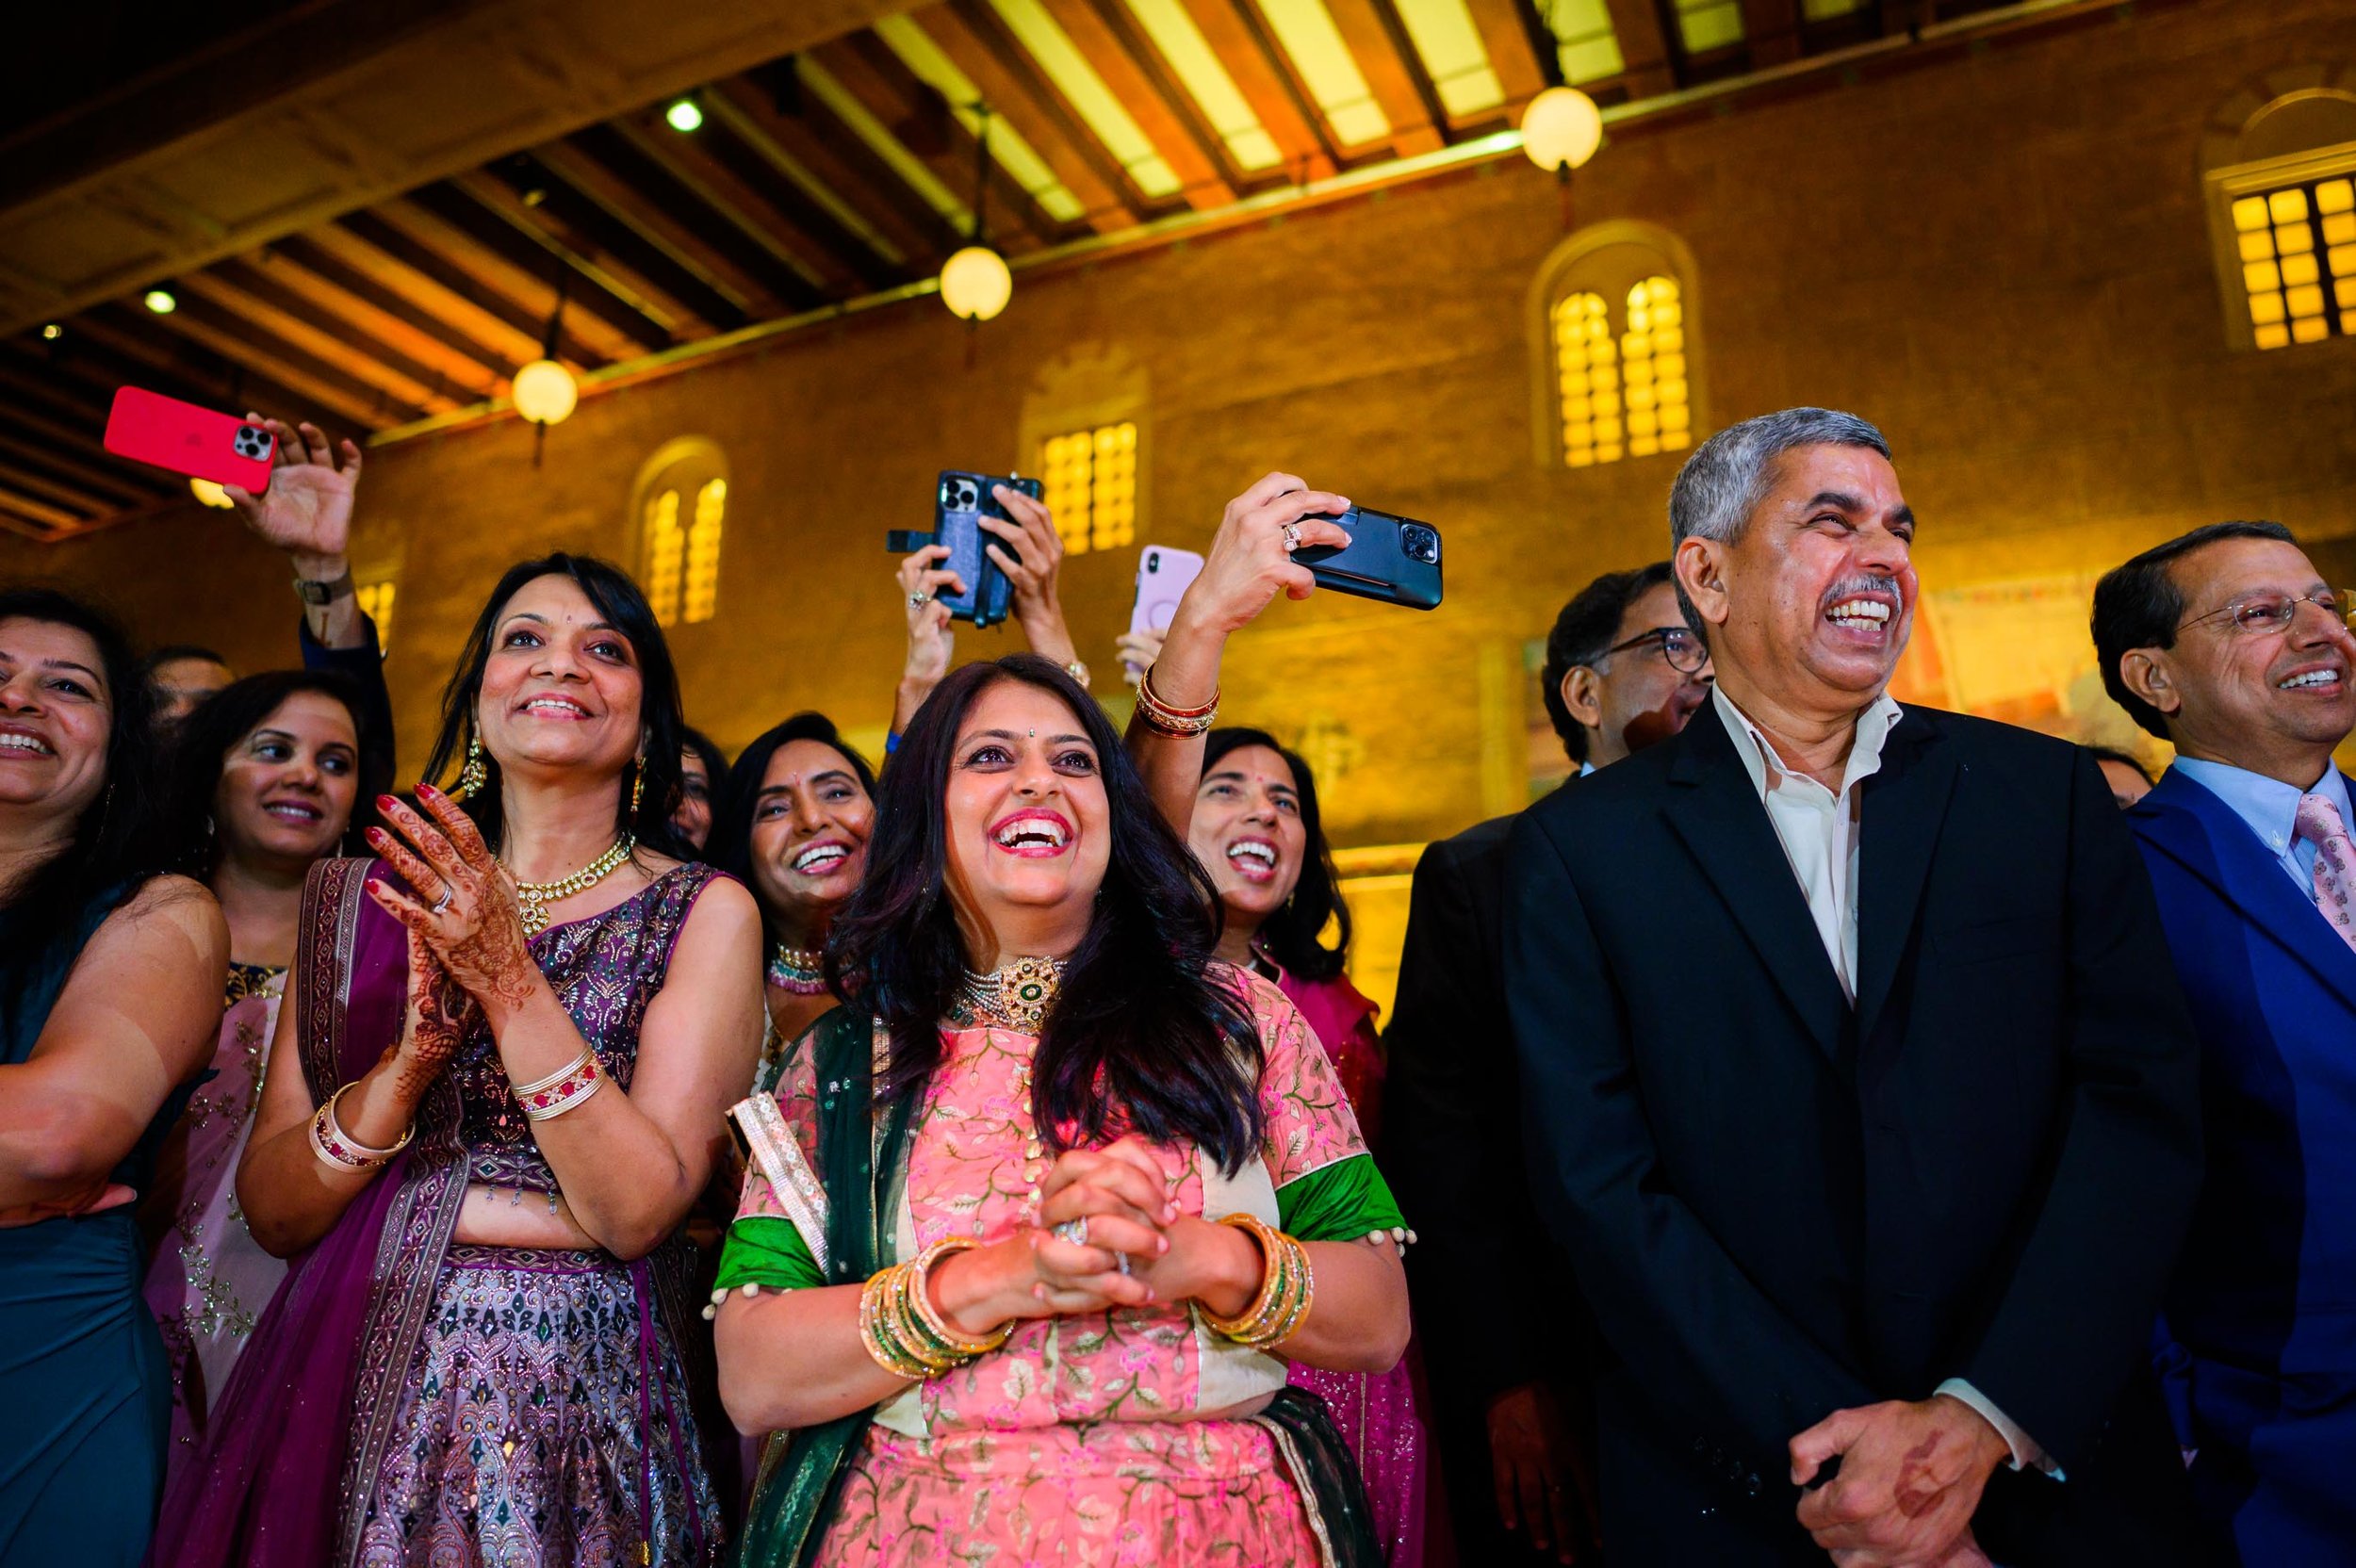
pixel 560 1091
pixel 1161 716
pixel 905 1332
pixel 1287 1288
pixel 347 1154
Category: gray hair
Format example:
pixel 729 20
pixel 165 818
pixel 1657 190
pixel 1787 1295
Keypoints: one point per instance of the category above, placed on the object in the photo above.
pixel 1730 474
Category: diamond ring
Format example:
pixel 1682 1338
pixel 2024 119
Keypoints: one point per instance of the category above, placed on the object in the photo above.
pixel 917 601
pixel 1292 537
pixel 442 903
pixel 1074 1231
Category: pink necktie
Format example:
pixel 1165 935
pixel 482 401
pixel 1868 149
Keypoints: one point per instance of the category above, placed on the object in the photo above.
pixel 2319 824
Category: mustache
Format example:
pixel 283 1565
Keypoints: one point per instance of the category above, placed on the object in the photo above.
pixel 1865 582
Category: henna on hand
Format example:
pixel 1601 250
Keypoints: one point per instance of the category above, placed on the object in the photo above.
pixel 478 933
pixel 435 1022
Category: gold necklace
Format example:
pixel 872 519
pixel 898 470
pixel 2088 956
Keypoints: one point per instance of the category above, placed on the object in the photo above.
pixel 1015 995
pixel 532 898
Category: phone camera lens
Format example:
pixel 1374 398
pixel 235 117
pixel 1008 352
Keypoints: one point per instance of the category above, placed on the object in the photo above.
pixel 1154 561
pixel 1420 543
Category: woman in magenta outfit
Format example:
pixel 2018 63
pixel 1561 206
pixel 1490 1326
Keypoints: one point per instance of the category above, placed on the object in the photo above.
pixel 1255 828
pixel 266 777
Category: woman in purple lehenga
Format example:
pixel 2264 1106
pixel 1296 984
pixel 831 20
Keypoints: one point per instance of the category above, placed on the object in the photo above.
pixel 268 771
pixel 505 1055
pixel 1255 828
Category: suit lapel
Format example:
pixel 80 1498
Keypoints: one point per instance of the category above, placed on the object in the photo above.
pixel 2193 828
pixel 1903 804
pixel 1718 814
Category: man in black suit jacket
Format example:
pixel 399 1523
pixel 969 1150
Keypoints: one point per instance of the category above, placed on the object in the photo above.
pixel 1513 1434
pixel 1858 1083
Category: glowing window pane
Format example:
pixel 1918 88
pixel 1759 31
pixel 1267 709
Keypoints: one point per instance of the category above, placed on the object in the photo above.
pixel 2258 246
pixel 2304 301
pixel 2340 228
pixel 2272 337
pixel 2336 196
pixel 376 603
pixel 2296 240
pixel 1091 477
pixel 702 588
pixel 1624 393
pixel 2287 206
pixel 2265 307
pixel 2343 260
pixel 2309 331
pixel 2249 213
pixel 2262 276
pixel 1651 349
pixel 665 554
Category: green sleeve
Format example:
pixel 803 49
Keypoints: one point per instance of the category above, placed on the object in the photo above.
pixel 1347 1201
pixel 767 1249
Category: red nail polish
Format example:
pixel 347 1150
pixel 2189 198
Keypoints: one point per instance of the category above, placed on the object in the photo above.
pixel 386 803
pixel 428 790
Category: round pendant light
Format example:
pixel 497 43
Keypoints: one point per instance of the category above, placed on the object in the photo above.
pixel 544 392
pixel 210 494
pixel 1562 128
pixel 976 283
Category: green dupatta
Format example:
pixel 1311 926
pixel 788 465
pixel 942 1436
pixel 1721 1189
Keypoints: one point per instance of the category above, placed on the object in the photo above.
pixel 800 1481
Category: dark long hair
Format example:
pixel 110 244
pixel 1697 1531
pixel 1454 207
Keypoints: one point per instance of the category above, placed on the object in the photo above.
pixel 1293 933
pixel 200 745
pixel 619 600
pixel 114 841
pixel 734 796
pixel 1140 1028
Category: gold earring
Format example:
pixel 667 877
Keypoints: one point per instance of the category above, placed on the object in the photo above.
pixel 474 775
pixel 637 787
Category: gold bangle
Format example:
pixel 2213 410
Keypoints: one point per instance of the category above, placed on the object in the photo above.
pixel 883 1347
pixel 919 1294
pixel 1160 715
pixel 1287 1288
pixel 339 1151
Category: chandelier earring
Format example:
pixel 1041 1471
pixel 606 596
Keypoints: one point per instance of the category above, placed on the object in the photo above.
pixel 475 775
pixel 637 785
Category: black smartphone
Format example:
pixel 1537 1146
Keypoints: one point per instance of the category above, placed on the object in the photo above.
pixel 960 501
pixel 1396 560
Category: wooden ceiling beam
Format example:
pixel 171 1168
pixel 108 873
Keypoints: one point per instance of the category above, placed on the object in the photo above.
pixel 1645 61
pixel 107 478
pixel 301 326
pixel 27 481
pixel 599 249
pixel 1771 29
pixel 67 442
pixel 802 141
pixel 979 45
pixel 1520 50
pixel 806 257
pixel 412 253
pixel 501 258
pixel 1249 56
pixel 322 384
pixel 139 354
pixel 1202 182
pixel 919 118
pixel 320 276
pixel 1394 72
pixel 53 521
pixel 1174 93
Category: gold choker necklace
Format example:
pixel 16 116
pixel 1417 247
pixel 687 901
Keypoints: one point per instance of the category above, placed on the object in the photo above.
pixel 532 898
pixel 799 970
pixel 1015 995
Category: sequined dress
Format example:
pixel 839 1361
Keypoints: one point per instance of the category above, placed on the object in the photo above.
pixel 546 1418
pixel 1104 1438
pixel 208 1277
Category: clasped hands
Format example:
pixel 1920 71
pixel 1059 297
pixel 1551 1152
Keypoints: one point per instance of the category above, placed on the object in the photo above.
pixel 1121 1194
pixel 1911 1475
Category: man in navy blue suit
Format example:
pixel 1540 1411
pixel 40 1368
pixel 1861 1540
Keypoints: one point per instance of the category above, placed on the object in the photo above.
pixel 2228 645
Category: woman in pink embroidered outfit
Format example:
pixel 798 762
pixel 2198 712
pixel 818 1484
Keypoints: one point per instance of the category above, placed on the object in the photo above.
pixel 266 776
pixel 1046 1095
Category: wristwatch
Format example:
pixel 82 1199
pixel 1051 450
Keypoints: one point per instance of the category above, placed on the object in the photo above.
pixel 1078 672
pixel 322 594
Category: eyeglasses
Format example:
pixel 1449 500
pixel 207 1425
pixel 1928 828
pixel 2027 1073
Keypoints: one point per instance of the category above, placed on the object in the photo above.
pixel 1684 651
pixel 2262 613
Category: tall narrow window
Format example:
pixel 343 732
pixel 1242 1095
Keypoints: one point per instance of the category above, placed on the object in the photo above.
pixel 1090 479
pixel 1590 375
pixel 1660 415
pixel 2297 247
pixel 1614 326
pixel 681 508
pixel 376 603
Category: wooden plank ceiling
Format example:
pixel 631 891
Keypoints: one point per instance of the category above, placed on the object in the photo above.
pixel 843 168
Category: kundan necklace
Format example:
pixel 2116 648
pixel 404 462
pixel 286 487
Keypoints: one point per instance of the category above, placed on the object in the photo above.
pixel 800 970
pixel 1015 995
pixel 532 898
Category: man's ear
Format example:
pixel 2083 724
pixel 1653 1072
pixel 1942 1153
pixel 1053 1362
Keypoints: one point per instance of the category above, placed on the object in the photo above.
pixel 1700 571
pixel 1582 695
pixel 2146 673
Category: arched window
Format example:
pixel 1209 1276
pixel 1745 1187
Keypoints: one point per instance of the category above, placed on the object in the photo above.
pixel 376 603
pixel 1084 430
pixel 681 507
pixel 2279 176
pixel 1616 346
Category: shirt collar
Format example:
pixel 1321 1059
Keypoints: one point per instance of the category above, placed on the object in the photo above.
pixel 1758 754
pixel 2270 806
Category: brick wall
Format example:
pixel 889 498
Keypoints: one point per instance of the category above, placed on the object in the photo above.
pixel 2002 258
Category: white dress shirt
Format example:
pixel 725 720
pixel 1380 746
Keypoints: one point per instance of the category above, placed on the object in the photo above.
pixel 1822 833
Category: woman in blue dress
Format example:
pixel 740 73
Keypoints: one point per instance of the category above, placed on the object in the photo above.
pixel 110 982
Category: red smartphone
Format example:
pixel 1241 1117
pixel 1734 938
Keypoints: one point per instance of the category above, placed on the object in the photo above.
pixel 148 427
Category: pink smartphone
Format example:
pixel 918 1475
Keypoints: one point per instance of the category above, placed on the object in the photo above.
pixel 1163 576
pixel 148 427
